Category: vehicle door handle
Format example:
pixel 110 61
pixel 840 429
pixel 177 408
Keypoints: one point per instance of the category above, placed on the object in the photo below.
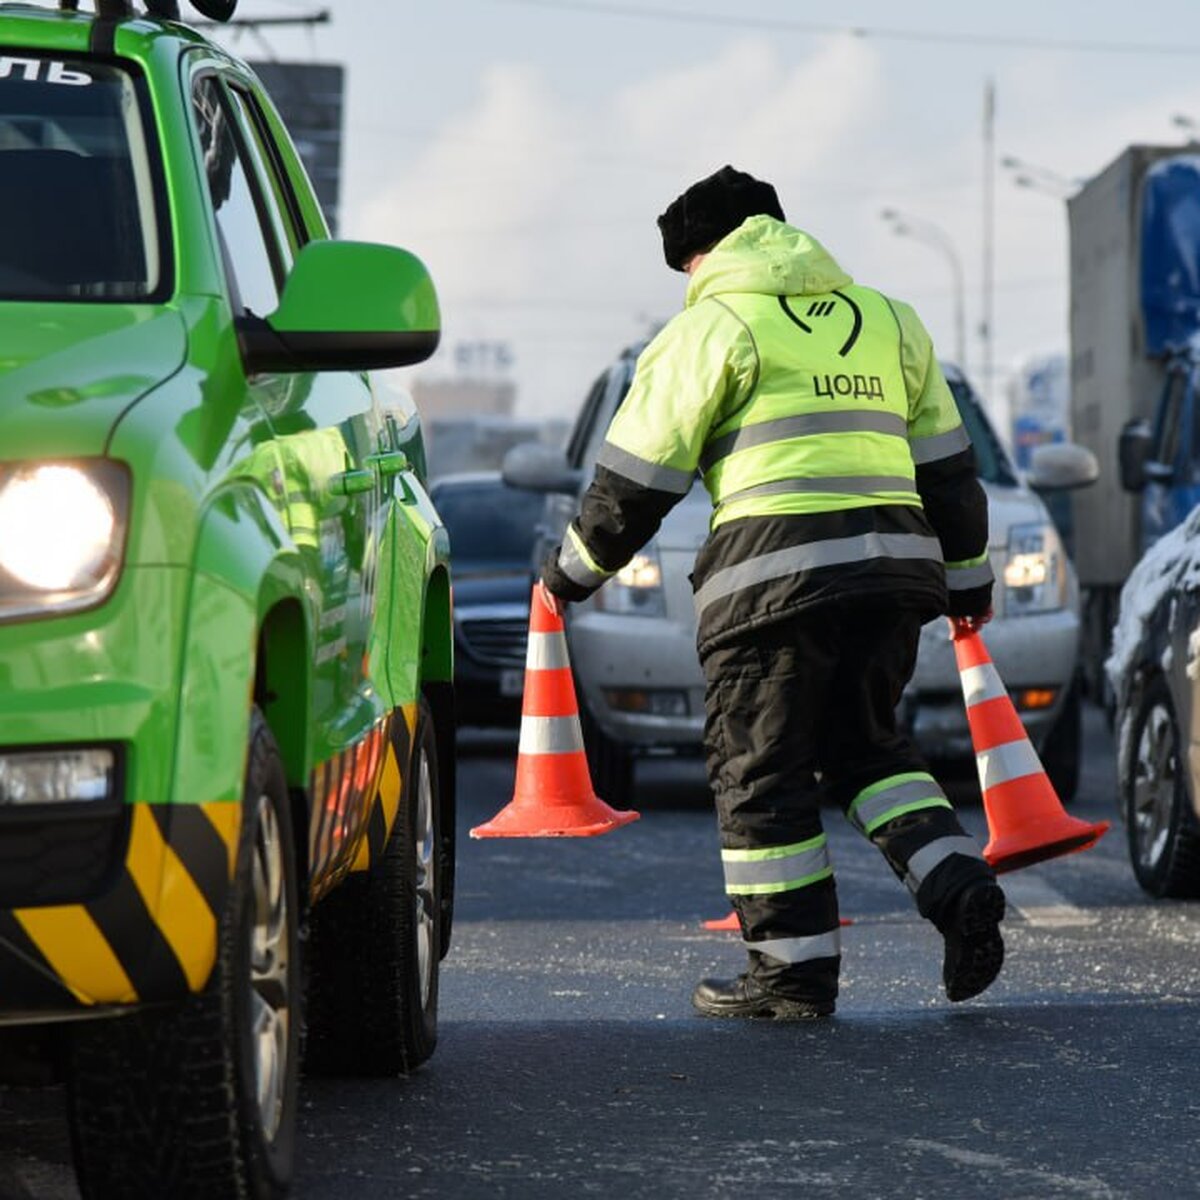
pixel 351 483
pixel 388 462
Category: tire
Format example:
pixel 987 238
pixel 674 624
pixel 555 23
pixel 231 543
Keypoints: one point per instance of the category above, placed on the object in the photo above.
pixel 1064 745
pixel 374 943
pixel 1164 844
pixel 610 763
pixel 199 1099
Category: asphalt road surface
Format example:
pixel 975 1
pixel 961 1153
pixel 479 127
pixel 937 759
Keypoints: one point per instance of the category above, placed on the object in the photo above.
pixel 570 1062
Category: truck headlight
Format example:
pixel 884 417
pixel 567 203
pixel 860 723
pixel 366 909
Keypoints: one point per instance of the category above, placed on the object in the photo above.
pixel 636 589
pixel 1035 577
pixel 62 532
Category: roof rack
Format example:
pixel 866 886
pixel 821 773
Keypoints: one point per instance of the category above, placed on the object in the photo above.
pixel 166 10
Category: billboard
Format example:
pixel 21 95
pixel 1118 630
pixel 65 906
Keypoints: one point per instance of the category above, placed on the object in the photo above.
pixel 309 97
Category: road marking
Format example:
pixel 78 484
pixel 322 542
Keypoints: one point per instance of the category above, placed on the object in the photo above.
pixel 990 1165
pixel 1041 905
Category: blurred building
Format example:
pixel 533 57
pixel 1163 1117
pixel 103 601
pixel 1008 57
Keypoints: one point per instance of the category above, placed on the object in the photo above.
pixel 454 397
pixel 1039 401
pixel 309 97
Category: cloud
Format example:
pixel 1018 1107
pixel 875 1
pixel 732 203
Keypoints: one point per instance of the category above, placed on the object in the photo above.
pixel 536 215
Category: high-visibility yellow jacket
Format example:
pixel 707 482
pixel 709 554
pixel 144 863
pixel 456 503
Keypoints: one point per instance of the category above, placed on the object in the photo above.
pixel 817 416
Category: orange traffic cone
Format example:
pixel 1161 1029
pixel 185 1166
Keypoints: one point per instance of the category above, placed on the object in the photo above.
pixel 731 924
pixel 553 796
pixel 1026 820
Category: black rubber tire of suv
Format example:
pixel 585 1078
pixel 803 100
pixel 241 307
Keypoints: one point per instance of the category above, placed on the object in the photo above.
pixel 1064 745
pixel 164 1102
pixel 1175 870
pixel 374 944
pixel 610 763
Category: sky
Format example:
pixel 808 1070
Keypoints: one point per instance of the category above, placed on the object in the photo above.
pixel 523 148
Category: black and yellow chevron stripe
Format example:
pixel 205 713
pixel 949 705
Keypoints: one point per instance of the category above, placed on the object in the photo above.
pixel 151 936
pixel 355 798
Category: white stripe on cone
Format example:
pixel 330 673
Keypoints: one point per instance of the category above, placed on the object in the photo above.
pixel 982 683
pixel 550 735
pixel 1012 760
pixel 546 652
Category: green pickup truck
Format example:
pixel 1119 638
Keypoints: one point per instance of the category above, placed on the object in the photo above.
pixel 226 709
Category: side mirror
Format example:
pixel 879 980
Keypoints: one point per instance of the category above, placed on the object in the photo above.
pixel 534 467
pixel 1061 467
pixel 1133 453
pixel 346 306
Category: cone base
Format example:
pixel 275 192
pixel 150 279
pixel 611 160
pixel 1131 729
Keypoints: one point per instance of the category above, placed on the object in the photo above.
pixel 520 818
pixel 1014 852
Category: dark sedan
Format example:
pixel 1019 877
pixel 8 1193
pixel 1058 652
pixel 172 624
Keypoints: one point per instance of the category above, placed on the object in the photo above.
pixel 492 529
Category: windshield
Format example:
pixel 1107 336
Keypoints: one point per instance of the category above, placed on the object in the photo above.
pixel 488 522
pixel 990 460
pixel 77 211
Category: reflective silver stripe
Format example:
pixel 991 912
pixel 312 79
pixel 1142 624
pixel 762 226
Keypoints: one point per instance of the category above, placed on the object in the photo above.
pixel 1012 760
pixel 813 555
pixel 941 445
pixel 746 876
pixel 641 470
pixel 937 852
pixel 573 565
pixel 800 425
pixel 550 735
pixel 546 652
pixel 800 949
pixel 854 485
pixel 958 579
pixel 866 814
pixel 982 683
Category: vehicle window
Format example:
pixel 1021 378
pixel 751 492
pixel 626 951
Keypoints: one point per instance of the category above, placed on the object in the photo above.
pixel 619 379
pixel 489 523
pixel 580 435
pixel 79 219
pixel 283 211
pixel 991 463
pixel 249 260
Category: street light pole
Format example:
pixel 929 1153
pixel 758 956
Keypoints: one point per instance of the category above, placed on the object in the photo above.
pixel 933 235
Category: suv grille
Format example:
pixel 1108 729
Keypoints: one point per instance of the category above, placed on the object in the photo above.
pixel 501 642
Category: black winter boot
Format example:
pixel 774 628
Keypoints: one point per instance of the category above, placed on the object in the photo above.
pixel 974 947
pixel 743 997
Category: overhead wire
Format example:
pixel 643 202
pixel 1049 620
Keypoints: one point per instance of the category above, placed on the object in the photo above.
pixel 882 33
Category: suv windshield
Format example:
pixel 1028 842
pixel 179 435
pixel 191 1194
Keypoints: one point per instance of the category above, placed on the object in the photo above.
pixel 990 460
pixel 77 210
pixel 488 522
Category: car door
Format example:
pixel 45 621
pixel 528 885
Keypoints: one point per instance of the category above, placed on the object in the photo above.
pixel 326 430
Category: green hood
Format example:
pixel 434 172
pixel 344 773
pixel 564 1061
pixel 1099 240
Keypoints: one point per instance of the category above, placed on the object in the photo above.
pixel 766 256
pixel 68 371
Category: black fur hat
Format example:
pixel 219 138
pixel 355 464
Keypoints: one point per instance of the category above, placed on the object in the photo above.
pixel 710 209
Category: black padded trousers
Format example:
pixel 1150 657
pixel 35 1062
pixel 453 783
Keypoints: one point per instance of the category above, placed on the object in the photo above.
pixel 801 711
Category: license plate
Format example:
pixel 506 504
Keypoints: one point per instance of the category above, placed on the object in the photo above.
pixel 512 682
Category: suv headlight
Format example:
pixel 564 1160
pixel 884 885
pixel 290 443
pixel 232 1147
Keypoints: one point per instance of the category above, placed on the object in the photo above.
pixel 1035 574
pixel 62 534
pixel 636 589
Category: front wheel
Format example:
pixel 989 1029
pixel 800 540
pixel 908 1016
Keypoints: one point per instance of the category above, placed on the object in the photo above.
pixel 610 763
pixel 199 1100
pixel 1063 746
pixel 1164 845
pixel 375 941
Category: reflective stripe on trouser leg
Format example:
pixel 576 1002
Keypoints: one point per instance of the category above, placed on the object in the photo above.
pixel 787 888
pixel 909 818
